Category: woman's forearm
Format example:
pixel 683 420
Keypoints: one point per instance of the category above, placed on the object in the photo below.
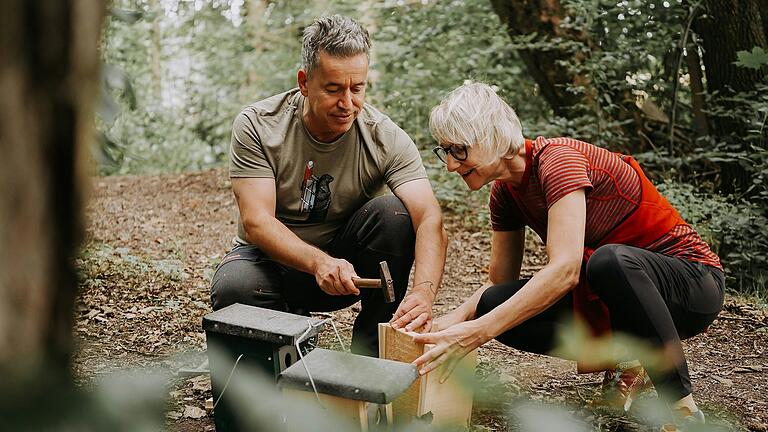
pixel 546 287
pixel 469 306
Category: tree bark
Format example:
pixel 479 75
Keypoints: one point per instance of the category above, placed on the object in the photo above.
pixel 49 65
pixel 730 26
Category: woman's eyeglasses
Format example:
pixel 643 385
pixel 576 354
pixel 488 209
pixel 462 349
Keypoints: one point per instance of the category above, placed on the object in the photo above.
pixel 458 151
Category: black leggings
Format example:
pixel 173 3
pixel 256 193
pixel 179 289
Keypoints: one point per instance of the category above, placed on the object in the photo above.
pixel 381 230
pixel 651 296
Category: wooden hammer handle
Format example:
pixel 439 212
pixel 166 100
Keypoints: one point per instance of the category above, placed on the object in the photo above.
pixel 366 283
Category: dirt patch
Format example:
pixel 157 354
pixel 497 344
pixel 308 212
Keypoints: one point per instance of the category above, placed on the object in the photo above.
pixel 153 243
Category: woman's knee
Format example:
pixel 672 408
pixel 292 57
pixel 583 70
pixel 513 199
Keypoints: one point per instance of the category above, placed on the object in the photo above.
pixel 494 296
pixel 604 265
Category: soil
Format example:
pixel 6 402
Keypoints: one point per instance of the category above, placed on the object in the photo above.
pixel 153 243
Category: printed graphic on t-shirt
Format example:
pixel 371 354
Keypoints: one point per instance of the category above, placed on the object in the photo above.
pixel 315 196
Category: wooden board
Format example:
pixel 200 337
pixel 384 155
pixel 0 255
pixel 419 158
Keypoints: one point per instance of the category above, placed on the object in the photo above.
pixel 348 410
pixel 450 402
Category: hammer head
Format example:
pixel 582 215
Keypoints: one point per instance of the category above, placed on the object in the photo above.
pixel 387 285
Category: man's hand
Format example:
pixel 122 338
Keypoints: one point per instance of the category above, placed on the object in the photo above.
pixel 414 312
pixel 451 345
pixel 334 276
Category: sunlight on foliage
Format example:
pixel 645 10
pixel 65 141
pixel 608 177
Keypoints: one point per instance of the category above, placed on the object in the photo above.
pixel 127 401
pixel 575 342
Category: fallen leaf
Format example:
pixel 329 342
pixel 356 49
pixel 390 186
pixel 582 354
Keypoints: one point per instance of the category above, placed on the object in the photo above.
pixel 194 412
pixel 724 381
pixel 748 369
pixel 201 383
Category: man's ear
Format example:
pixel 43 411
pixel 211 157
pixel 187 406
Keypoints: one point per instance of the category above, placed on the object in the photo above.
pixel 302 78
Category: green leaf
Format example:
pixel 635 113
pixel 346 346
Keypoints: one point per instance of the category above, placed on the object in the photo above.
pixel 116 79
pixel 125 15
pixel 753 60
pixel 108 109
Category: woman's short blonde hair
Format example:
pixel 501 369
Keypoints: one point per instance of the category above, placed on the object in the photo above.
pixel 475 116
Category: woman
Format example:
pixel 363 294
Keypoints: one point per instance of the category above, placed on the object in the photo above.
pixel 620 257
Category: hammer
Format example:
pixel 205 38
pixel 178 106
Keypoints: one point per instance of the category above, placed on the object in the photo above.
pixel 385 283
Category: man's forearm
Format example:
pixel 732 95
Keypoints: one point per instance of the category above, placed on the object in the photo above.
pixel 431 245
pixel 282 245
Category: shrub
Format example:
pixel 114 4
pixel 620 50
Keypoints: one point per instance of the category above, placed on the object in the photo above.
pixel 735 230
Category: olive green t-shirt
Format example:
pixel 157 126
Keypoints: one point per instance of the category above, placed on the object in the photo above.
pixel 319 185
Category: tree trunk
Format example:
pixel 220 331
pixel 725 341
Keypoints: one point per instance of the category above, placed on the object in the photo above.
pixel 256 27
pixel 546 67
pixel 156 54
pixel 727 27
pixel 693 62
pixel 49 64
pixel 367 12
pixel 764 16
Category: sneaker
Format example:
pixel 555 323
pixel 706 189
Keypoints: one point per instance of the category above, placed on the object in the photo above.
pixel 685 420
pixel 622 385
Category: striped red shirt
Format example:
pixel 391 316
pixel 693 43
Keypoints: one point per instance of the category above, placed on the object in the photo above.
pixel 558 166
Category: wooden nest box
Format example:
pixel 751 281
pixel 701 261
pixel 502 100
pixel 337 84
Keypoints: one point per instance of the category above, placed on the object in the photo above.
pixel 261 339
pixel 359 389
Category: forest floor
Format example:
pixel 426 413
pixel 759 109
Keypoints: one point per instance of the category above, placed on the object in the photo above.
pixel 153 243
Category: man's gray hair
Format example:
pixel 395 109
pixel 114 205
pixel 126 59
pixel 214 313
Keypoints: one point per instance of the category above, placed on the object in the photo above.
pixel 475 116
pixel 337 35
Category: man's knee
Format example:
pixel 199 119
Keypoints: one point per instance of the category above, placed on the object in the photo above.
pixel 388 227
pixel 242 281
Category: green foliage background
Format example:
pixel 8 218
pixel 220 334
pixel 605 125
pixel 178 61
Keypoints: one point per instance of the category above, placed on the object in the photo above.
pixel 214 59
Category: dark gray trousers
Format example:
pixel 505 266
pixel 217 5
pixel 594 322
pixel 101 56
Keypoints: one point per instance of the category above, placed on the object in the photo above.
pixel 654 297
pixel 381 230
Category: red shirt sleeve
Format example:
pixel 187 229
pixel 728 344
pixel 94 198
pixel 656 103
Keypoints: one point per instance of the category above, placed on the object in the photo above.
pixel 562 170
pixel 505 215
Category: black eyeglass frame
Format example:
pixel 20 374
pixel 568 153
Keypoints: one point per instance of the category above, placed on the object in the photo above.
pixel 458 151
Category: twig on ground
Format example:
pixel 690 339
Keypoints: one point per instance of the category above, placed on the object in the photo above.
pixel 743 319
pixel 584 384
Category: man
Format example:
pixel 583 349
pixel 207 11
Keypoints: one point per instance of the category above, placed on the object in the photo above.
pixel 310 170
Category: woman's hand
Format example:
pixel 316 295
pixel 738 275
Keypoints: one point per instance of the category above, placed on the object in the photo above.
pixel 451 318
pixel 451 345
